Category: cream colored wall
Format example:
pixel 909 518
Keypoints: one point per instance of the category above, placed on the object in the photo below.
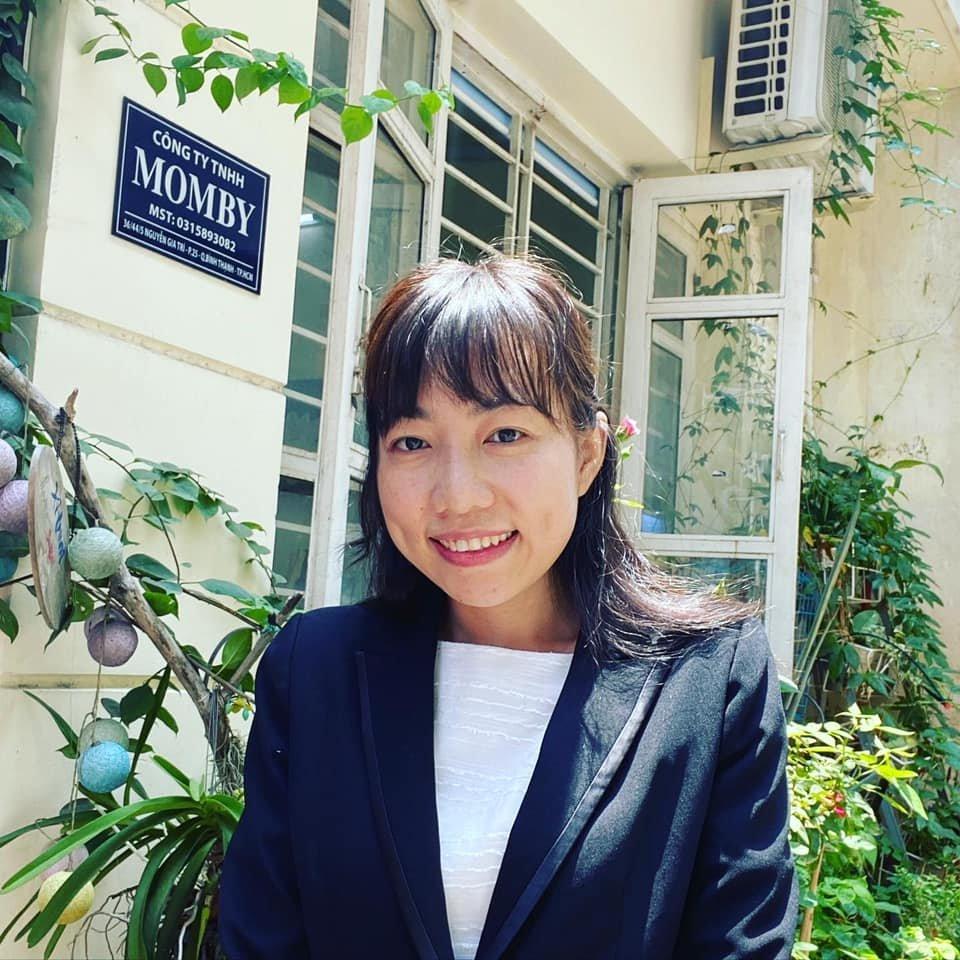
pixel 897 270
pixel 177 364
pixel 626 70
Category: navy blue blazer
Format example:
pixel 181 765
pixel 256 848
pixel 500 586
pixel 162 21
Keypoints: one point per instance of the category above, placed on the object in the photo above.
pixel 655 824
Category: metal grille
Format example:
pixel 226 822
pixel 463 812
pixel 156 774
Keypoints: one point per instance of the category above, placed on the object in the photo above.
pixel 763 56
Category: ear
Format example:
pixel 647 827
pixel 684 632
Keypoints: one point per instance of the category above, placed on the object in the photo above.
pixel 593 446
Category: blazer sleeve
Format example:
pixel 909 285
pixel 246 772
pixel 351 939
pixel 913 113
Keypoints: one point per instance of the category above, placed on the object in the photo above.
pixel 260 913
pixel 743 898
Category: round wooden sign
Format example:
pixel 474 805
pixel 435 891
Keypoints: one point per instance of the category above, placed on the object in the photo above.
pixel 48 532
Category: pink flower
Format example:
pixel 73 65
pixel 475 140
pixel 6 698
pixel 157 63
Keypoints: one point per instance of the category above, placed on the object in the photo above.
pixel 628 427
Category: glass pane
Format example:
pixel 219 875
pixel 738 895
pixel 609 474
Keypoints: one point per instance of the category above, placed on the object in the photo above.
pixel 670 277
pixel 295 501
pixel 396 215
pixel 710 425
pixel 322 176
pixel 311 302
pixel 354 581
pixel 735 244
pixel 330 48
pixel 307 359
pixel 663 429
pixel 316 240
pixel 582 280
pixel 301 425
pixel 564 224
pixel 290 552
pixel 742 577
pixel 454 246
pixel 470 211
pixel 482 111
pixel 408 43
pixel 478 162
pixel 566 177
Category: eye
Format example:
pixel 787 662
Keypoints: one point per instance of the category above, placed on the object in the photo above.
pixel 508 430
pixel 400 441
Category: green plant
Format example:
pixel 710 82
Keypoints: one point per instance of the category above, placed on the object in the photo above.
pixel 930 900
pixel 834 783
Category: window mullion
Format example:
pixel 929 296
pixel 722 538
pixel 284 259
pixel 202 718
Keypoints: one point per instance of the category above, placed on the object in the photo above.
pixel 350 246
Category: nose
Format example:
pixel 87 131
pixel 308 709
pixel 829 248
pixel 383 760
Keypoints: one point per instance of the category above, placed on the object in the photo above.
pixel 461 485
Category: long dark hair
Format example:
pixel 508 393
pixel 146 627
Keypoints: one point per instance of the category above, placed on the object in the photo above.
pixel 506 330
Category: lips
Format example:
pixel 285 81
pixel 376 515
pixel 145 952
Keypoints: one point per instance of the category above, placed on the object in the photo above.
pixel 470 558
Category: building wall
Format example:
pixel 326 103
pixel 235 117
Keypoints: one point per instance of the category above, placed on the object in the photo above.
pixel 896 270
pixel 177 364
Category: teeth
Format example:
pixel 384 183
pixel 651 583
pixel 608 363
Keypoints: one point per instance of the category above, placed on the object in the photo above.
pixel 476 543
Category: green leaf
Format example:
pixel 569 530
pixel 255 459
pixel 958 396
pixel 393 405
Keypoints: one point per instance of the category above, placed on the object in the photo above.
pixel 222 91
pixel 355 123
pixel 68 732
pixel 246 79
pixel 161 603
pixel 8 621
pixel 195 39
pixel 292 90
pixel 18 109
pixel 92 42
pixel 225 588
pixel 415 89
pixel 143 564
pixel 112 53
pixel 373 103
pixel 191 78
pixel 156 77
pixel 184 61
pixel 426 117
pixel 15 69
pixel 136 703
pixel 294 68
pixel 14 216
pixel 238 645
pixel 432 101
pixel 174 771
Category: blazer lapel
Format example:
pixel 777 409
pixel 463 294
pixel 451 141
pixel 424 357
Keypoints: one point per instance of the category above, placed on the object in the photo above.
pixel 598 715
pixel 397 706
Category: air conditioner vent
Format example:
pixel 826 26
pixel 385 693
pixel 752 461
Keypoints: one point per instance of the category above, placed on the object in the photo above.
pixel 763 57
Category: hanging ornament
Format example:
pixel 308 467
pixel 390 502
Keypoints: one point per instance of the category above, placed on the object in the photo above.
pixel 95 553
pixel 111 636
pixel 104 767
pixel 8 463
pixel 103 731
pixel 78 907
pixel 12 413
pixel 70 862
pixel 13 507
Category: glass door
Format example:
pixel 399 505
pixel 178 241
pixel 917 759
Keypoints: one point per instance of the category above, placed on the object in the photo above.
pixel 714 373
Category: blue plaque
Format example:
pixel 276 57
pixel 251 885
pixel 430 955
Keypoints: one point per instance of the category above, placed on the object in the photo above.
pixel 180 195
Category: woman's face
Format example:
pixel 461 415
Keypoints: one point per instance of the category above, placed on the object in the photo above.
pixel 456 480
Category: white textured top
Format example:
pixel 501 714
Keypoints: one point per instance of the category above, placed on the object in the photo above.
pixel 492 706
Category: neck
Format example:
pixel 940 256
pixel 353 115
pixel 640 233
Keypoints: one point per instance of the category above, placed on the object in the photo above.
pixel 545 624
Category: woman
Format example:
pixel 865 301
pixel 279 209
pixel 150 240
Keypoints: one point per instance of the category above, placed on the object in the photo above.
pixel 529 744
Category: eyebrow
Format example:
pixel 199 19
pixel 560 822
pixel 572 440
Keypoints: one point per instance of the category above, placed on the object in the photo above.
pixel 477 408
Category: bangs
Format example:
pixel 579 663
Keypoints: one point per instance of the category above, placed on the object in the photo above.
pixel 486 339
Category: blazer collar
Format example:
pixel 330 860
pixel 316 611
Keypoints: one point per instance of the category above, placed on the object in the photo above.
pixel 597 717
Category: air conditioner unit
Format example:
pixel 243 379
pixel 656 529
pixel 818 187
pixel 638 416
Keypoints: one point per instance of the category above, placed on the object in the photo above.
pixel 785 82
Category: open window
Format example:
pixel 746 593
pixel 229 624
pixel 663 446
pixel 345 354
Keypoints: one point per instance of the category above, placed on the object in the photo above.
pixel 714 354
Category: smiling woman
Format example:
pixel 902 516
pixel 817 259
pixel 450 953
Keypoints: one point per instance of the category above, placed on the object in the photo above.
pixel 533 742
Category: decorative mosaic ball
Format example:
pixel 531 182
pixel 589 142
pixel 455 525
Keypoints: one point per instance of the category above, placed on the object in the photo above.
pixel 8 463
pixel 70 862
pixel 12 413
pixel 104 767
pixel 95 553
pixel 103 731
pixel 78 907
pixel 111 640
pixel 13 507
pixel 8 567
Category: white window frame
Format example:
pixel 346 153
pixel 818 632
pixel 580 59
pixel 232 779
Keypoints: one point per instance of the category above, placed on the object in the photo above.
pixel 791 306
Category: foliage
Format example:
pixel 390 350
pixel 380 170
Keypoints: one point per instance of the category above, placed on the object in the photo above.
pixel 237 69
pixel 928 900
pixel 878 109
pixel 838 770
